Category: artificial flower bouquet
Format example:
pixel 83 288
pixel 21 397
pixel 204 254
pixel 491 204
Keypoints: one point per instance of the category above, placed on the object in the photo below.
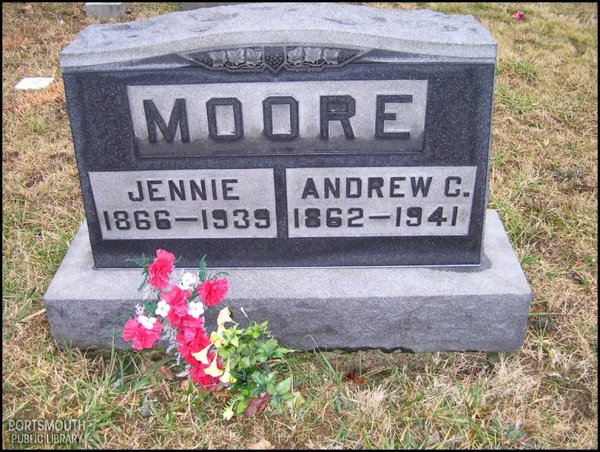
pixel 245 362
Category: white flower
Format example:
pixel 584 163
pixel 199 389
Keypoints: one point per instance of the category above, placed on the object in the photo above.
pixel 162 309
pixel 147 322
pixel 224 317
pixel 195 309
pixel 187 281
pixel 228 413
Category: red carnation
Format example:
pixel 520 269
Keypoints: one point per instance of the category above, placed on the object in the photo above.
pixel 142 336
pixel 160 269
pixel 177 300
pixel 186 349
pixel 189 329
pixel 213 291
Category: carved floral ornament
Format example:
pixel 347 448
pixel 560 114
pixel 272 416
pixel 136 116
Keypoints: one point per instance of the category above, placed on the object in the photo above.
pixel 274 58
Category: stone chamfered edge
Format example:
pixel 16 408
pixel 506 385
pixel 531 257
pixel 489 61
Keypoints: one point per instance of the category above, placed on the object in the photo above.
pixel 420 32
pixel 419 309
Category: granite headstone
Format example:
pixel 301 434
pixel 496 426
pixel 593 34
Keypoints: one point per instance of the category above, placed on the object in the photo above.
pixel 306 148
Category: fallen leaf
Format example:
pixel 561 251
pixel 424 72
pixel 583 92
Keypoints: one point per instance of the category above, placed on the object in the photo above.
pixel 262 444
pixel 257 405
pixel 222 394
pixel 353 377
pixel 166 373
pixel 165 393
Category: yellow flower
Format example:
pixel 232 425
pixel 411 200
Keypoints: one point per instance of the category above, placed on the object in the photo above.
pixel 224 317
pixel 216 339
pixel 228 413
pixel 213 370
pixel 226 377
pixel 202 355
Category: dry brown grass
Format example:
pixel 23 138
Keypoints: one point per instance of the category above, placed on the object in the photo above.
pixel 543 183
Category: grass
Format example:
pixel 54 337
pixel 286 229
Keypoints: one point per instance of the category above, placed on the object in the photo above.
pixel 543 183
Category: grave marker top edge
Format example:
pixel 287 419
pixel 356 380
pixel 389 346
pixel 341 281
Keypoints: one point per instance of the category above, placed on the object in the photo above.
pixel 421 32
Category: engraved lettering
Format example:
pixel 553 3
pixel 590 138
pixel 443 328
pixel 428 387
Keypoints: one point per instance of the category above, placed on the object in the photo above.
pixel 213 184
pixel 375 184
pixel 177 190
pixel 338 117
pixel 198 190
pixel 357 185
pixel 381 116
pixel 332 189
pixel 379 201
pixel 226 184
pixel 418 185
pixel 457 180
pixel 310 189
pixel 394 186
pixel 178 118
pixel 337 108
pixel 268 118
pixel 152 190
pixel 185 204
pixel 213 130
pixel 140 196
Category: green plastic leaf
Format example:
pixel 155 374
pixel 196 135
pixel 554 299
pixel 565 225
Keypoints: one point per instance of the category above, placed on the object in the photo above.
pixel 150 307
pixel 245 362
pixel 202 269
pixel 286 396
pixel 141 261
pixel 284 386
pixel 241 406
pixel 257 378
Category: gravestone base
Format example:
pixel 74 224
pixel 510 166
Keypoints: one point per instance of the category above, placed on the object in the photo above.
pixel 418 309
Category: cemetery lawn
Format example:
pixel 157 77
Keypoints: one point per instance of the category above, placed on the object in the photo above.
pixel 543 184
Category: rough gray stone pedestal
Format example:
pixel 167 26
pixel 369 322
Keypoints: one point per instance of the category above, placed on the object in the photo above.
pixel 103 10
pixel 420 309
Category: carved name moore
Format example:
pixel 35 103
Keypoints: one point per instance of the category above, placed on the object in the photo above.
pixel 192 120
